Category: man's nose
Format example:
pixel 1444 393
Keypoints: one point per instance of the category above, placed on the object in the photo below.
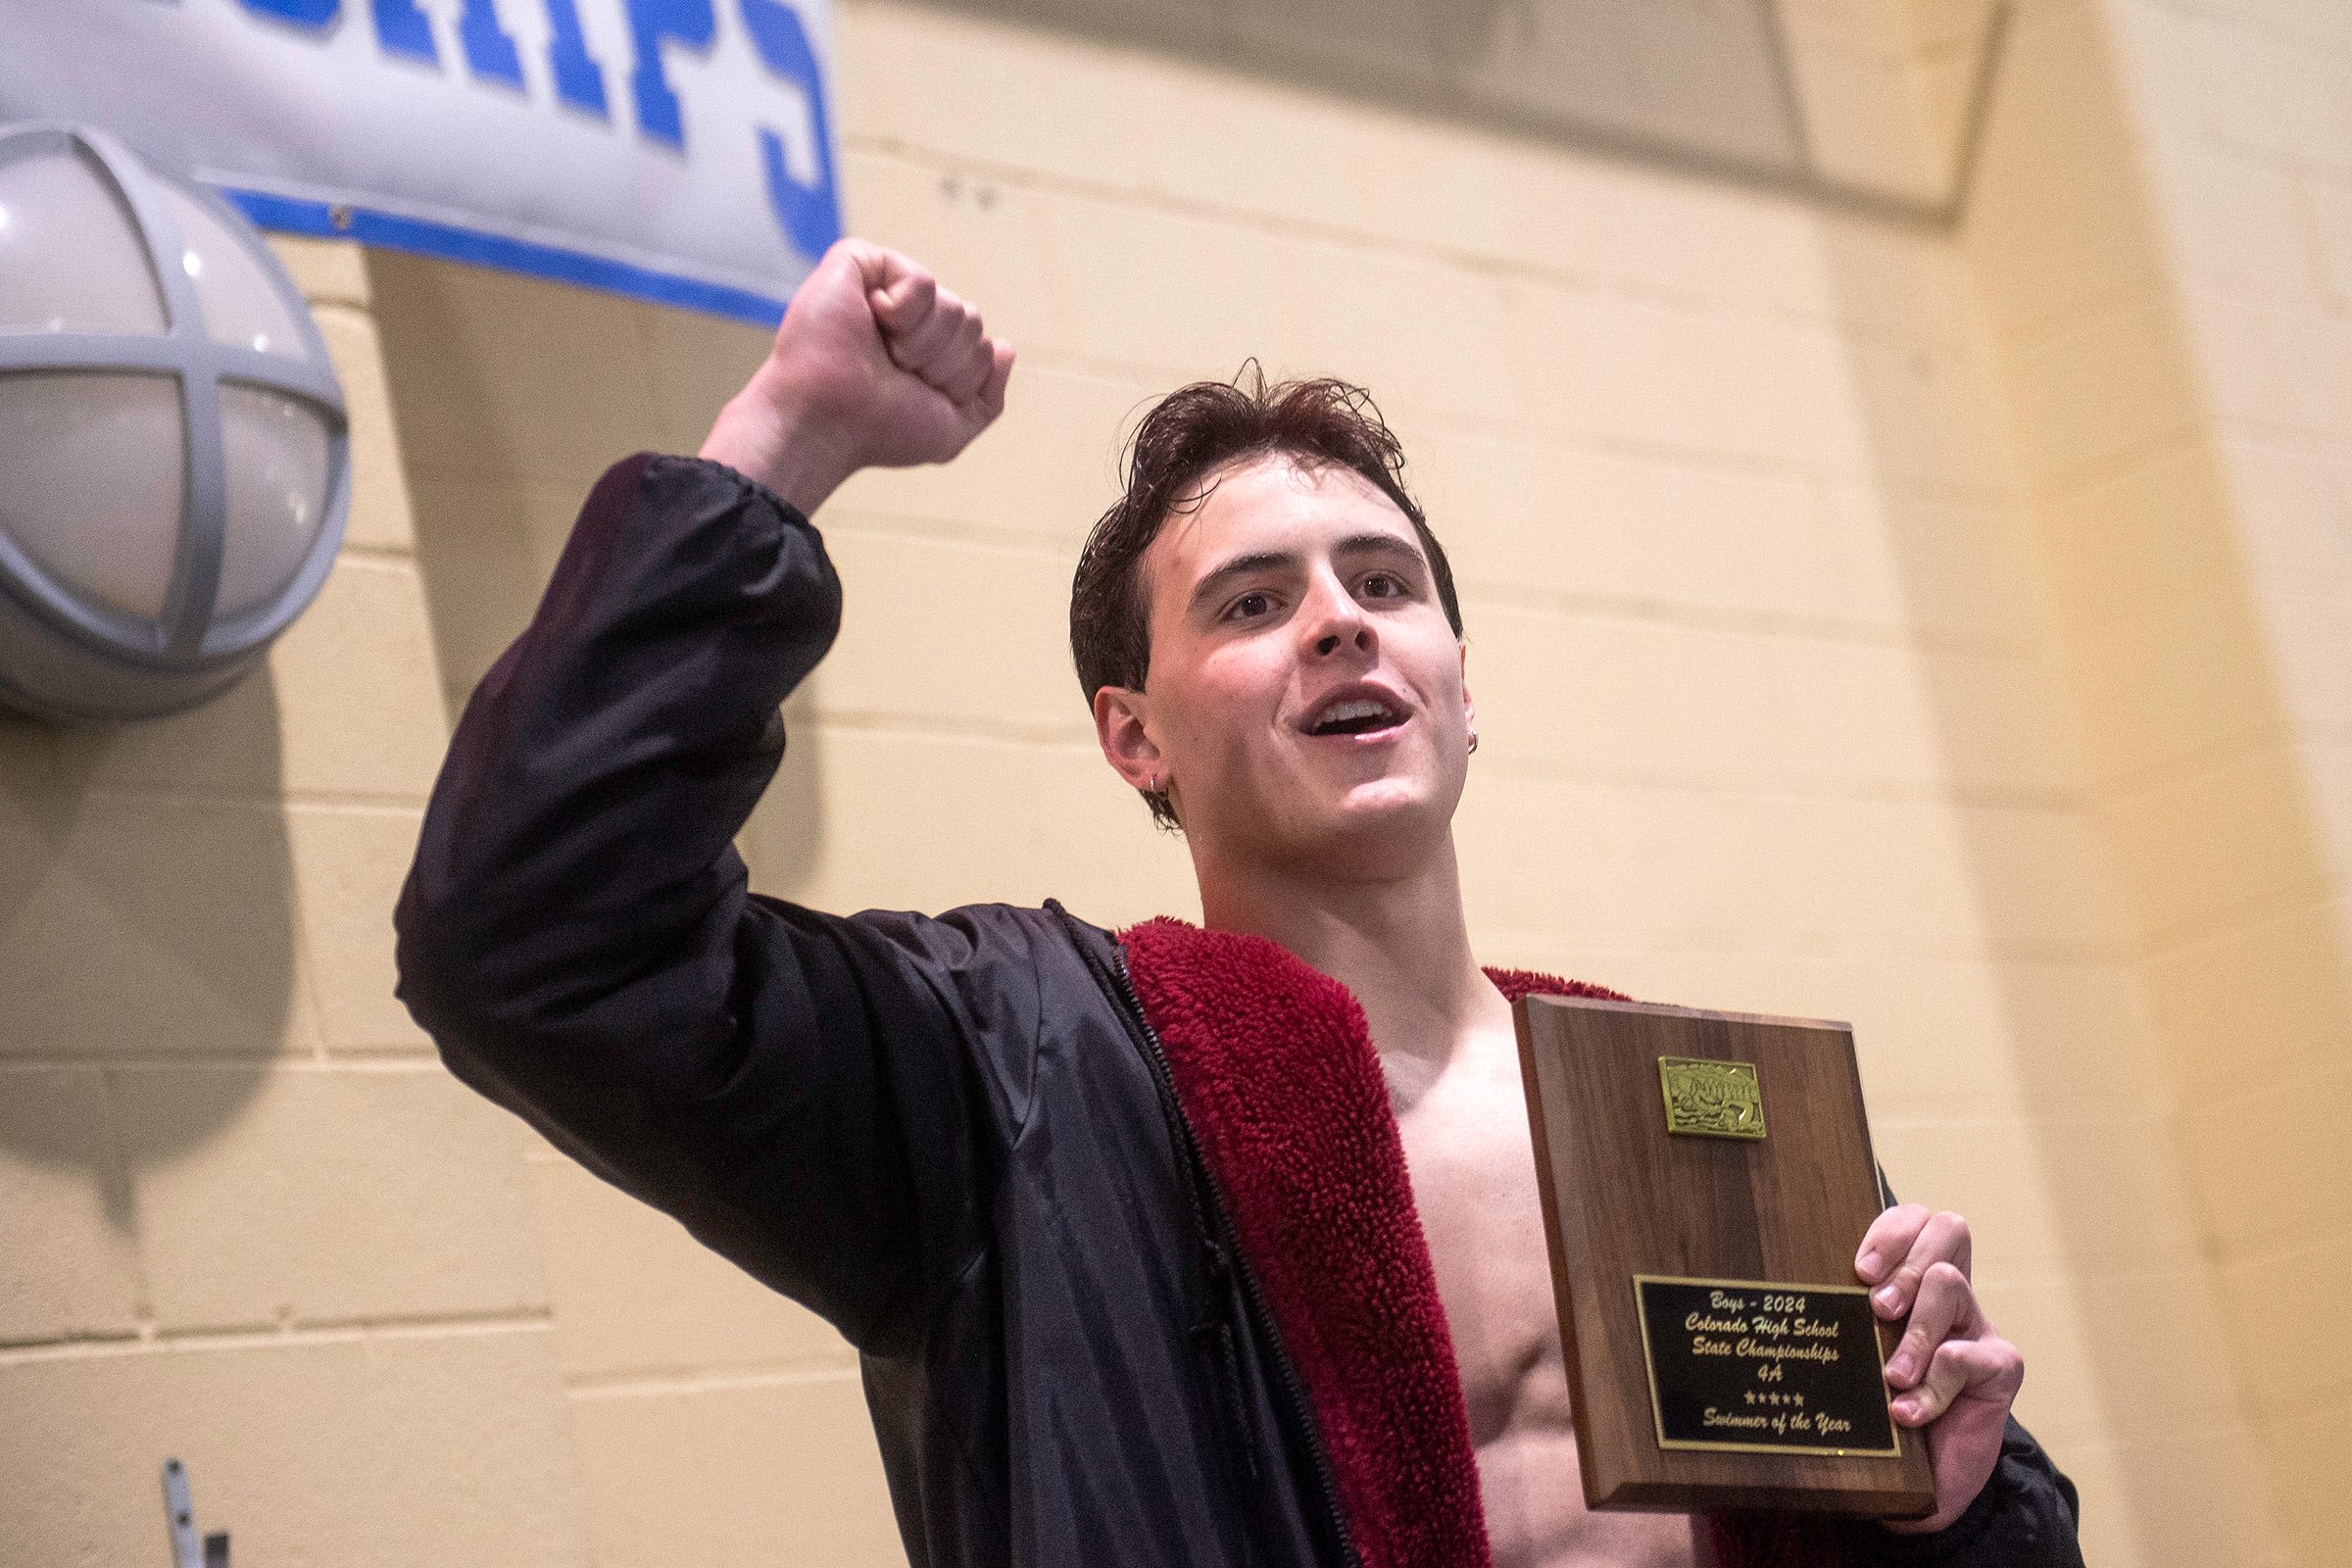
pixel 1330 641
pixel 1338 622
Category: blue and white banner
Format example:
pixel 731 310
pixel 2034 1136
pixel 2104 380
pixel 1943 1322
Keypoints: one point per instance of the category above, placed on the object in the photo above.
pixel 677 150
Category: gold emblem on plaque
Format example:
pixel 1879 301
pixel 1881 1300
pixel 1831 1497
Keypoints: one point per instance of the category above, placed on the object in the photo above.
pixel 1711 1098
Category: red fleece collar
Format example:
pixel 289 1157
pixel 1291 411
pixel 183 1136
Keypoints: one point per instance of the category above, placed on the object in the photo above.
pixel 1277 1076
pixel 1275 1071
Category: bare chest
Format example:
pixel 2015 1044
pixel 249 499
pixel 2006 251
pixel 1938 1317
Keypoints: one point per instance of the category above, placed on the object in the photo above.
pixel 1473 1175
pixel 1474 1181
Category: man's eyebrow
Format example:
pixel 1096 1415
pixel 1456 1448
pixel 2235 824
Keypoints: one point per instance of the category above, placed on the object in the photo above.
pixel 1379 544
pixel 1355 544
pixel 1214 583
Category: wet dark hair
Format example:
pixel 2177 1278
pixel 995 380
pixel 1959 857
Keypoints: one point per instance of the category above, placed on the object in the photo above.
pixel 1190 436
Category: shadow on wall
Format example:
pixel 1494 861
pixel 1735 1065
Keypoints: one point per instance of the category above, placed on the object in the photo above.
pixel 513 395
pixel 1705 82
pixel 1703 85
pixel 2067 1046
pixel 146 934
pixel 506 388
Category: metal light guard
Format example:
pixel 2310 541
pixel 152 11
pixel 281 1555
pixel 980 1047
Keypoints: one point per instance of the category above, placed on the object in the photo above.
pixel 53 639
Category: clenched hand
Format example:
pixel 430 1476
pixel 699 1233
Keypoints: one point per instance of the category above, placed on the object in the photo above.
pixel 875 365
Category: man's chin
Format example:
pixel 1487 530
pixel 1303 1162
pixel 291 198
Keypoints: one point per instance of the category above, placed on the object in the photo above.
pixel 1370 831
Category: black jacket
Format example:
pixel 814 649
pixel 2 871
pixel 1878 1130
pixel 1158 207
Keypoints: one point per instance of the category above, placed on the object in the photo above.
pixel 948 1136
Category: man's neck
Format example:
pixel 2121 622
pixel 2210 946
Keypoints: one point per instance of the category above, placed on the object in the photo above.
pixel 1399 943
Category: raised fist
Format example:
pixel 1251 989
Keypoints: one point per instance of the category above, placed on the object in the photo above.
pixel 875 365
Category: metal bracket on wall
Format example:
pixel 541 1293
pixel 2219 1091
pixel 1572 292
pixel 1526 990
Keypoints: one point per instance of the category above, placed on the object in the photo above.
pixel 180 1515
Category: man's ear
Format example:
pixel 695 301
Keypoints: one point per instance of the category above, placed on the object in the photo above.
pixel 1121 728
pixel 1469 707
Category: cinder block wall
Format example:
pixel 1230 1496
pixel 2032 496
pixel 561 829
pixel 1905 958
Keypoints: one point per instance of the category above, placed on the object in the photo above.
pixel 2163 232
pixel 1776 709
pixel 1762 516
pixel 2247 112
pixel 715 1423
pixel 245 1218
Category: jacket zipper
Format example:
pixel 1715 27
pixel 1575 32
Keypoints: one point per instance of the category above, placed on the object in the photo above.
pixel 1228 1254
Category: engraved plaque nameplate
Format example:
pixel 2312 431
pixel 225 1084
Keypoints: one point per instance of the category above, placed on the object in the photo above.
pixel 1754 1367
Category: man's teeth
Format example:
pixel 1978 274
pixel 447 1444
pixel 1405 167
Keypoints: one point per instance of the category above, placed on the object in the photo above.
pixel 1350 711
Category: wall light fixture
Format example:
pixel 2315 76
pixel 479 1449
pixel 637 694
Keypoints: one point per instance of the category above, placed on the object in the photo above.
pixel 175 461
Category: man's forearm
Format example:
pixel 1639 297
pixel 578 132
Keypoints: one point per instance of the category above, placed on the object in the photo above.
pixel 784 445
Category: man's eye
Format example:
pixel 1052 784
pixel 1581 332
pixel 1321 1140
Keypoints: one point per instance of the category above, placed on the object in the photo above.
pixel 1249 606
pixel 1381 585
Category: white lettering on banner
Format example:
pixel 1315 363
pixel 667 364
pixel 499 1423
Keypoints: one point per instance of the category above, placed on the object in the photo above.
pixel 681 150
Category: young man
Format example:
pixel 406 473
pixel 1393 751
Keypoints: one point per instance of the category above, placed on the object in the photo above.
pixel 1182 1247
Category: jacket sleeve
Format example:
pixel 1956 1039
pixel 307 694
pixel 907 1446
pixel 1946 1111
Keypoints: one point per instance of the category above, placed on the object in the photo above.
pixel 805 1092
pixel 2025 1518
pixel 2025 1515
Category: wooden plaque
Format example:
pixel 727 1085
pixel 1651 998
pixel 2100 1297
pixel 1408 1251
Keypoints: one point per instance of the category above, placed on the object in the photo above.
pixel 1706 1180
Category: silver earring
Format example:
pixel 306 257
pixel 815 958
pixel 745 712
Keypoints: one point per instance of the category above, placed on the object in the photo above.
pixel 1474 740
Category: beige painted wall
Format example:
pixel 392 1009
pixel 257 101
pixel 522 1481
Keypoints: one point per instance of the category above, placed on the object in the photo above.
pixel 1773 717
pixel 2248 115
pixel 1790 570
pixel 713 1422
pixel 245 1217
pixel 2164 237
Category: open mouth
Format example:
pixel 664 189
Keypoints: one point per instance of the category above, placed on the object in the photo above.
pixel 1355 716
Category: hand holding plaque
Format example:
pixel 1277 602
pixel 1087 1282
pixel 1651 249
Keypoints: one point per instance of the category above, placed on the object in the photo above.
pixel 1706 1180
pixel 1954 1374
